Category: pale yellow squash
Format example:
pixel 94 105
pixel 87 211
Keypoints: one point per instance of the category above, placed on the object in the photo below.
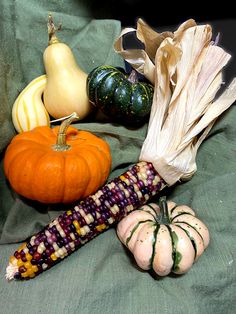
pixel 65 91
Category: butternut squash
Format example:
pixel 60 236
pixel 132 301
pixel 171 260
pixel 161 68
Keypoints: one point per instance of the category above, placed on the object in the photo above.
pixel 65 90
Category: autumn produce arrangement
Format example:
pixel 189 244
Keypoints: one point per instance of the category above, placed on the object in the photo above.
pixel 64 83
pixel 183 72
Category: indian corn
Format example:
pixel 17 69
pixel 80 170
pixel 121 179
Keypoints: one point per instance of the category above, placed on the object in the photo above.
pixel 89 218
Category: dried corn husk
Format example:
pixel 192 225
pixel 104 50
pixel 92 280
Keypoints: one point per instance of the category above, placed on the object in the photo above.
pixel 186 70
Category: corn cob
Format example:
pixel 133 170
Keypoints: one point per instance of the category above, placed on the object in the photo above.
pixel 93 215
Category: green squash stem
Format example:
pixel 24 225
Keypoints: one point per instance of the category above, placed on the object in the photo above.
pixel 164 217
pixel 133 77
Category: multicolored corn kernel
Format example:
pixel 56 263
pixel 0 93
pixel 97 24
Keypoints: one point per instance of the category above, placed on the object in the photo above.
pixel 92 216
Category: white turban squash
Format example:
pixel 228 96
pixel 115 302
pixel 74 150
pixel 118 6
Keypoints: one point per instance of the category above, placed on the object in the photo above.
pixel 166 238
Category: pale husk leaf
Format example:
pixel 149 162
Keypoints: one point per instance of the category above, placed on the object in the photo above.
pixel 142 60
pixel 187 74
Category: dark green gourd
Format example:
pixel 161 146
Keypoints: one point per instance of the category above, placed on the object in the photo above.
pixel 121 97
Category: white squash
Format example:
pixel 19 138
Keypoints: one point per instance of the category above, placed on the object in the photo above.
pixel 28 110
pixel 166 239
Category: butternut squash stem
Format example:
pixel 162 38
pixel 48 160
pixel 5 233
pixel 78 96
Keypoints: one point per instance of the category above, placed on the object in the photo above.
pixel 52 29
pixel 61 137
pixel 165 219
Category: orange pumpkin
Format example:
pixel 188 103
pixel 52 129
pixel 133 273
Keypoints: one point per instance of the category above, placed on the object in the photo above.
pixel 57 165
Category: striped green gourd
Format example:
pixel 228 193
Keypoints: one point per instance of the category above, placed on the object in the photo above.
pixel 164 238
pixel 121 97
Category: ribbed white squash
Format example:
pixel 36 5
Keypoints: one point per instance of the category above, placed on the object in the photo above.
pixel 165 239
pixel 28 110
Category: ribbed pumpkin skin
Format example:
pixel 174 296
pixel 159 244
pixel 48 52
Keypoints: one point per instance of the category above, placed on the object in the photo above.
pixel 38 172
pixel 125 102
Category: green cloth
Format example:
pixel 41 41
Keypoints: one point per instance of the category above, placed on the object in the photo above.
pixel 102 275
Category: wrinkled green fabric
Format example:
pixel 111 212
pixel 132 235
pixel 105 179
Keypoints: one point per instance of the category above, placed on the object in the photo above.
pixel 102 276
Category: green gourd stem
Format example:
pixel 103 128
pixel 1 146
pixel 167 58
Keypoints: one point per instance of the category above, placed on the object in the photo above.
pixel 133 77
pixel 165 219
pixel 52 29
pixel 61 137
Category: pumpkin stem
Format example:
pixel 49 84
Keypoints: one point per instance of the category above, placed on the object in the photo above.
pixel 52 29
pixel 61 137
pixel 133 77
pixel 165 219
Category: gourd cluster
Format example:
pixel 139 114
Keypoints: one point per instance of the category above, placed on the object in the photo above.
pixel 65 88
pixel 63 164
